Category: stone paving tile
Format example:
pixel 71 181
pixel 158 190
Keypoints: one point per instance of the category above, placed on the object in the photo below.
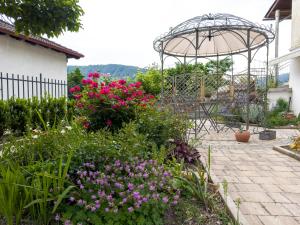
pixel 276 209
pixel 267 182
pixel 270 188
pixel 278 197
pixel 255 196
pixel 253 208
pixel 294 209
pixel 253 220
pixel 278 220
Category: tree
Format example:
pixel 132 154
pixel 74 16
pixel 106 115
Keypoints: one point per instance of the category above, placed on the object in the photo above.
pixel 74 78
pixel 43 17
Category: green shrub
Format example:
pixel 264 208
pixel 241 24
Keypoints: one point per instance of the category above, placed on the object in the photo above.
pixel 276 116
pixel 3 117
pixel 151 81
pixel 255 113
pixel 19 115
pixel 159 126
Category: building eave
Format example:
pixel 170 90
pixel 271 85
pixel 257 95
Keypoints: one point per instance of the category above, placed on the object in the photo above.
pixel 285 7
pixel 8 29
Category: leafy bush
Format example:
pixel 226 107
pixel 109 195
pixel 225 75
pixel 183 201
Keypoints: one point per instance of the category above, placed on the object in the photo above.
pixel 135 192
pixel 276 116
pixel 19 115
pixel 109 104
pixel 151 81
pixel 182 151
pixel 255 113
pixel 3 117
pixel 160 126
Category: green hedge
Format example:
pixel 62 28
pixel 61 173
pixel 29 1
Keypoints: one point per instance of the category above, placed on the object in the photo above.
pixel 19 115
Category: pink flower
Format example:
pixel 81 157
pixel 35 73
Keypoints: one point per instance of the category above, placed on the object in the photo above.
pixel 77 88
pixel 91 94
pixel 94 85
pixel 77 97
pixel 138 84
pixel 122 82
pixel 72 90
pixel 105 90
pixel 84 81
pixel 94 75
pixel 108 123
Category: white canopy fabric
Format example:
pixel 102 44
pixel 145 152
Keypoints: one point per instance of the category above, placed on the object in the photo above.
pixel 212 35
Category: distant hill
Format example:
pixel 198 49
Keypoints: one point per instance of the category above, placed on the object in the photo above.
pixel 283 78
pixel 115 70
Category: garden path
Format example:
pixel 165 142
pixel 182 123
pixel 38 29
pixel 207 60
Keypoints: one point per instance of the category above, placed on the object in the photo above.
pixel 266 182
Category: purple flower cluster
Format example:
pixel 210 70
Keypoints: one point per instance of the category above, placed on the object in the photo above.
pixel 126 186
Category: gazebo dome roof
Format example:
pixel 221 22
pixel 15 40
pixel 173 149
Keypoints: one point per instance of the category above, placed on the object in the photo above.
pixel 212 35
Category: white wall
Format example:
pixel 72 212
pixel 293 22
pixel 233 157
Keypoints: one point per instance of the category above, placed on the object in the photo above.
pixel 20 57
pixel 276 93
pixel 295 84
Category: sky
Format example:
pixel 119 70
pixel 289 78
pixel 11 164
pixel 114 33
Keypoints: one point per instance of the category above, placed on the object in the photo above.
pixel 122 31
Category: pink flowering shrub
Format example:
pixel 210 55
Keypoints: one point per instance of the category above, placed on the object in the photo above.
pixel 109 104
pixel 122 193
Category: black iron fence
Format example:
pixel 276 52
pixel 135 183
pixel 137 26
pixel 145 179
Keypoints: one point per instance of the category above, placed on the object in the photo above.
pixel 20 86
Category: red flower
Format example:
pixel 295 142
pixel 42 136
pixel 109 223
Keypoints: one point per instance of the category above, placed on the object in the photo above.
pixel 86 125
pixel 72 90
pixel 90 75
pixel 91 94
pixel 122 82
pixel 96 75
pixel 138 84
pixel 84 81
pixel 105 90
pixel 77 97
pixel 94 85
pixel 108 123
pixel 77 88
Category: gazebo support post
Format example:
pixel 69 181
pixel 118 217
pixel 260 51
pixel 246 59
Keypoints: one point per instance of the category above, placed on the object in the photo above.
pixel 267 88
pixel 248 79
pixel 162 73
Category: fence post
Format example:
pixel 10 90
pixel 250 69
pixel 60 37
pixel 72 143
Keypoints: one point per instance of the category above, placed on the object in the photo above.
pixel 65 89
pixel 7 86
pixel 55 87
pixel 58 83
pixel 41 87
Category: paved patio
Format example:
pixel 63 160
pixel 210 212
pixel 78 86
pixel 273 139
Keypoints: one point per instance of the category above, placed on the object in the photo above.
pixel 267 182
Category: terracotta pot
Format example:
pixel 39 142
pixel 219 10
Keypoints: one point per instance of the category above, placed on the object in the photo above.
pixel 242 136
pixel 289 116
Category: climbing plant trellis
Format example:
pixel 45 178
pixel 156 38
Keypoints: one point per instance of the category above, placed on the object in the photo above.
pixel 203 96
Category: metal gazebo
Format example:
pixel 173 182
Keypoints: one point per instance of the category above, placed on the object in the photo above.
pixel 213 36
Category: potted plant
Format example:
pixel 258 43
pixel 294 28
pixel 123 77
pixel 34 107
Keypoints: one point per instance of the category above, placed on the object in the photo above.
pixel 242 135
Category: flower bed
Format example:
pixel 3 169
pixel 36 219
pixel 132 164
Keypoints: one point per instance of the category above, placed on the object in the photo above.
pixel 114 164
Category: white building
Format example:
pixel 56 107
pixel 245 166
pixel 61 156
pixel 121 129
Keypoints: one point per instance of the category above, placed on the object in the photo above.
pixel 281 10
pixel 36 57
